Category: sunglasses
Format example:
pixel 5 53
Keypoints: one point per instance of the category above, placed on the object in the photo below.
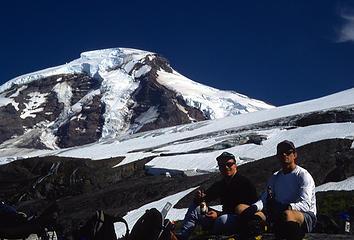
pixel 288 152
pixel 228 164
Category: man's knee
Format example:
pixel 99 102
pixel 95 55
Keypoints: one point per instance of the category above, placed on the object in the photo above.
pixel 293 216
pixel 240 208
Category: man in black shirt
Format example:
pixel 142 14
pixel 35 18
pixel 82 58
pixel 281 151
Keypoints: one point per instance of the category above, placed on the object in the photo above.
pixel 233 190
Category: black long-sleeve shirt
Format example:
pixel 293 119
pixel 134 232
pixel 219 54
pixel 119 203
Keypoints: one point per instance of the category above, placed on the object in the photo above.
pixel 238 190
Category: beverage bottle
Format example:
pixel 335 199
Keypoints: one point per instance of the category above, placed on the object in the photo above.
pixel 269 195
pixel 203 205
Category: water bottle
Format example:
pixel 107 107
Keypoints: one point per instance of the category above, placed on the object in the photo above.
pixel 344 222
pixel 347 224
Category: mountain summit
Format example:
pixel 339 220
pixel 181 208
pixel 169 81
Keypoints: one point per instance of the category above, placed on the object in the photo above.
pixel 104 94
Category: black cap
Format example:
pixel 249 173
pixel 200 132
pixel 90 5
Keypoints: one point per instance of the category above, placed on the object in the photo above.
pixel 285 146
pixel 225 156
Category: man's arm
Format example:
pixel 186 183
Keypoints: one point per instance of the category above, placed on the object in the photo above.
pixel 306 192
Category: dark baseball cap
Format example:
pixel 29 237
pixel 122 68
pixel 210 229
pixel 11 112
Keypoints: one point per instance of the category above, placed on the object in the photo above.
pixel 225 156
pixel 285 146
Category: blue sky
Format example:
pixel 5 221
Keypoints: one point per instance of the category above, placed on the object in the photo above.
pixel 280 51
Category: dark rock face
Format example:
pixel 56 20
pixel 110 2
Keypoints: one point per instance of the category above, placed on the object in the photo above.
pixel 84 128
pixel 338 115
pixel 151 93
pixel 80 189
pixel 10 123
pixel 40 99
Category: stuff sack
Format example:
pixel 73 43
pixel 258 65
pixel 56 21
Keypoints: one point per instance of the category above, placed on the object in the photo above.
pixel 148 227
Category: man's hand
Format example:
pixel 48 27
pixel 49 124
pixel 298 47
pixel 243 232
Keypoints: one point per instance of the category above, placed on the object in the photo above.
pixel 211 214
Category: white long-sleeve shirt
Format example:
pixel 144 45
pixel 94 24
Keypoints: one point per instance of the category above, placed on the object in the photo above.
pixel 296 188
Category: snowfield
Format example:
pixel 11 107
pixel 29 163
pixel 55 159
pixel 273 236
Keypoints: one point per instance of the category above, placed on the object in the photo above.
pixel 345 185
pixel 175 142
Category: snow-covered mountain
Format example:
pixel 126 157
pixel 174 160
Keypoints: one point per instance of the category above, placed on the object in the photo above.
pixel 105 94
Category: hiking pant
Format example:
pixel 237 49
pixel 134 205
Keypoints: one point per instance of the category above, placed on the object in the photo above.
pixel 224 224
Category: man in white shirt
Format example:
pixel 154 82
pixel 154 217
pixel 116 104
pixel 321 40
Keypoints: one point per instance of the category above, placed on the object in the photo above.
pixel 289 200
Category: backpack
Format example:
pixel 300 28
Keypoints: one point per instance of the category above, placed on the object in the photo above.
pixel 100 227
pixel 153 225
pixel 148 227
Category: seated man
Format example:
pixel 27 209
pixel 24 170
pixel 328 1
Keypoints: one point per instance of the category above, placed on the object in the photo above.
pixel 232 190
pixel 289 199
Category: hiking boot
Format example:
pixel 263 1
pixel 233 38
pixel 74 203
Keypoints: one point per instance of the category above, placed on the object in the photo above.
pixel 252 229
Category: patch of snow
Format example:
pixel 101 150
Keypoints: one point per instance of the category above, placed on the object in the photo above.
pixel 180 107
pixel 15 105
pixel 146 117
pixel 78 118
pixel 117 88
pixel 4 100
pixel 345 185
pixel 49 139
pixel 64 94
pixel 142 71
pixel 16 94
pixel 173 214
pixel 48 136
pixel 32 107
pixel 213 102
